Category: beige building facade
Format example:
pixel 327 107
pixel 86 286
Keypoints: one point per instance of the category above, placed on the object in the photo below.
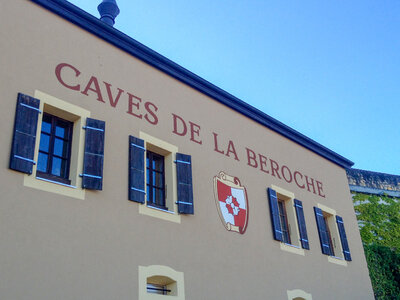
pixel 125 176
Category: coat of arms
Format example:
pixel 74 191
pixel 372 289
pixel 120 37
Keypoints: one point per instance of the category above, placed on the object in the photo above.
pixel 231 200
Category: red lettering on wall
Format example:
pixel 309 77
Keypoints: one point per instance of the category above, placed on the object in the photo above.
pixel 296 180
pixel 263 163
pixel 231 149
pixel 149 108
pixel 310 183
pixel 58 69
pixel 251 158
pixel 113 102
pixel 194 133
pixel 275 168
pixel 181 130
pixel 93 81
pixel 216 144
pixel 133 103
pixel 287 175
pixel 319 187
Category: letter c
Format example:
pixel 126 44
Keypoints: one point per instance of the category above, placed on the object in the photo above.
pixel 58 75
pixel 295 179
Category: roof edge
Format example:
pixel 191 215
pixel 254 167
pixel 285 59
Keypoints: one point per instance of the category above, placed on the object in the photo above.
pixel 81 18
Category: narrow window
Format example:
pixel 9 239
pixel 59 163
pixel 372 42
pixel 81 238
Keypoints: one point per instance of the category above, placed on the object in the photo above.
pixel 55 149
pixel 284 221
pixel 155 175
pixel 328 233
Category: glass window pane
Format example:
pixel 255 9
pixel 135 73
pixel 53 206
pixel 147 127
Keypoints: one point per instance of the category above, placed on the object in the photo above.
pixel 46 125
pixel 158 163
pixel 60 132
pixel 42 162
pixel 60 148
pixel 56 166
pixel 158 182
pixel 44 142
pixel 160 197
pixel 154 195
pixel 148 194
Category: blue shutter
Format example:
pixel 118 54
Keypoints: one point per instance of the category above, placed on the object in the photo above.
pixel 275 220
pixel 343 238
pixel 92 177
pixel 24 137
pixel 322 231
pixel 136 169
pixel 185 187
pixel 302 224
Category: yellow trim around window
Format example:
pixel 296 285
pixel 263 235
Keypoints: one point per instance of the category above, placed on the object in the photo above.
pixel 77 115
pixel 169 152
pixel 288 197
pixel 164 275
pixel 298 295
pixel 338 259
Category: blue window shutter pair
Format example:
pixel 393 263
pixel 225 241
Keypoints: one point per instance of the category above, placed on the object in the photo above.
pixel 24 141
pixel 275 219
pixel 324 238
pixel 137 191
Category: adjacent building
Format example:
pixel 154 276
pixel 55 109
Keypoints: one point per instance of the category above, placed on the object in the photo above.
pixel 126 176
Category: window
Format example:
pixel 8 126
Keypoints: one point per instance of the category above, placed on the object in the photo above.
pixel 287 218
pixel 155 180
pixel 160 178
pixel 55 149
pixel 331 232
pixel 156 281
pixel 52 142
pixel 283 221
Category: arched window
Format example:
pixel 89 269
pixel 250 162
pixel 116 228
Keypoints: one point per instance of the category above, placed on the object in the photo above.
pixel 156 280
pixel 298 295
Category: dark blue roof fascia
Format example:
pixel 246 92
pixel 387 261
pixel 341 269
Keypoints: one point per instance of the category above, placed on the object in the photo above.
pixel 115 37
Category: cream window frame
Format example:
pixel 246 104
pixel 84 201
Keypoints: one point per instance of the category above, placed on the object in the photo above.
pixel 77 115
pixel 298 294
pixel 288 197
pixel 337 257
pixel 169 151
pixel 163 275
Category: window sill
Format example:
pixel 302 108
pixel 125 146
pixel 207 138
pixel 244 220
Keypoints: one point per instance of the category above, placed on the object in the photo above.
pixel 292 249
pixel 55 182
pixel 54 187
pixel 337 261
pixel 160 208
pixel 159 213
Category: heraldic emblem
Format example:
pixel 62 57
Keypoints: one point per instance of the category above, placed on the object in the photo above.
pixel 231 201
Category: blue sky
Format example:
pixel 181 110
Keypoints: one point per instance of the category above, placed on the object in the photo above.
pixel 328 69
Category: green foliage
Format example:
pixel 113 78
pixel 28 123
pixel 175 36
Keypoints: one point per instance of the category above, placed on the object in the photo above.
pixel 379 220
pixel 384 271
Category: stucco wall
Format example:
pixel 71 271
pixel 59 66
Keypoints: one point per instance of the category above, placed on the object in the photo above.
pixel 59 247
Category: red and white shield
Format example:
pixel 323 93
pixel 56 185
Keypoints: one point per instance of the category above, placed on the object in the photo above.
pixel 231 201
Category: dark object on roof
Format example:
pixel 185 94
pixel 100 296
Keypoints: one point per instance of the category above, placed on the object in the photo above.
pixel 108 10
